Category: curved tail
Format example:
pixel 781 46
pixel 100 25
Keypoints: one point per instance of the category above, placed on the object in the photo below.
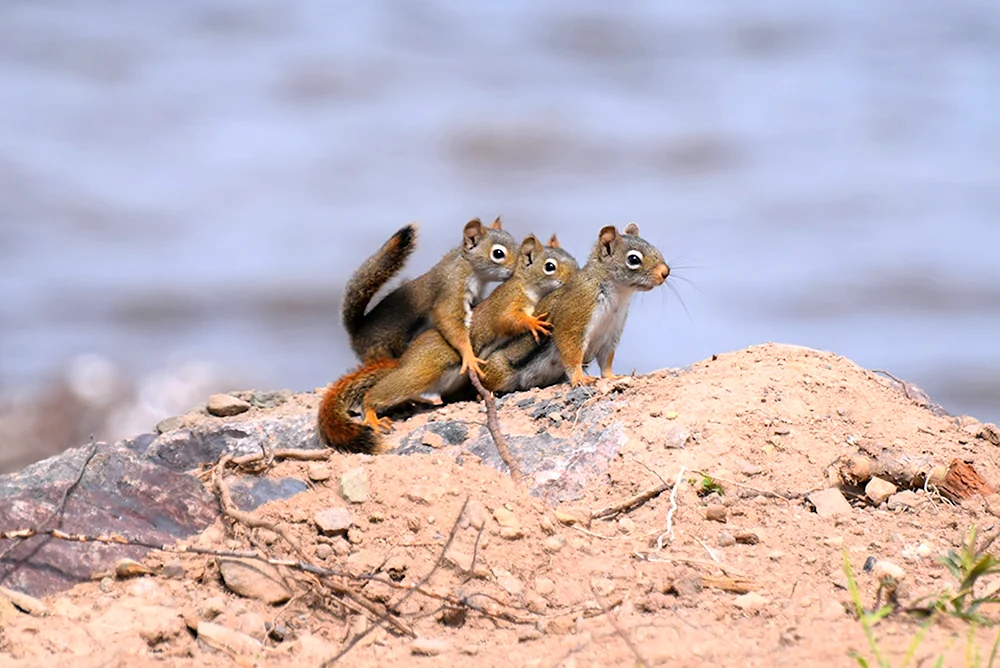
pixel 336 428
pixel 373 274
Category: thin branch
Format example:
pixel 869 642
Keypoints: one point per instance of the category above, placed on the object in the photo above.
pixel 630 503
pixel 493 425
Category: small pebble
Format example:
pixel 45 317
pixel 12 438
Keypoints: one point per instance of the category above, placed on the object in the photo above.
pixel 225 405
pixel 716 513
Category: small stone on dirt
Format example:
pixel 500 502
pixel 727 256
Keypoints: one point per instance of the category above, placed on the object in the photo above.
pixel 726 539
pixel 28 604
pixel 354 485
pixel 433 440
pixel 570 515
pixel 747 538
pixel 226 640
pixel 319 472
pixel 544 586
pixel 878 490
pixel 254 579
pixel 905 499
pixel 476 514
pixel 884 570
pixel 429 646
pixel 129 568
pixel 323 551
pixel 716 513
pixel 553 544
pixel 226 405
pixel 676 438
pixel 506 518
pixel 333 520
pixel 626 525
pixel 688 584
pixel 750 602
pixel 830 503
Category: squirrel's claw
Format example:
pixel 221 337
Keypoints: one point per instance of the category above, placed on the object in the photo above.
pixel 538 325
pixel 379 425
pixel 472 362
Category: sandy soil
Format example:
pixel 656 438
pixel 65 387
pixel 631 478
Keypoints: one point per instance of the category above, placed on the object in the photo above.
pixel 765 421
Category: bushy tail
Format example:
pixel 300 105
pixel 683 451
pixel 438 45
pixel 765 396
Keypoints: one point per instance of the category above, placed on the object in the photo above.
pixel 336 428
pixel 375 272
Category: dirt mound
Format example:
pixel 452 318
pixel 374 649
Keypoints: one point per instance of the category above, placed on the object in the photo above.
pixel 748 573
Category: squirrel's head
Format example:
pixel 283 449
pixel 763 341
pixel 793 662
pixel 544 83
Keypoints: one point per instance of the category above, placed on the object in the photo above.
pixel 491 250
pixel 545 268
pixel 630 260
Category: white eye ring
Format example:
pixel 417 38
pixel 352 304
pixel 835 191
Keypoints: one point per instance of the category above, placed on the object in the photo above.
pixel 550 267
pixel 498 253
pixel 633 259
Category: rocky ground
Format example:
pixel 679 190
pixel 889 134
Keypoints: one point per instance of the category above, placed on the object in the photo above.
pixel 746 450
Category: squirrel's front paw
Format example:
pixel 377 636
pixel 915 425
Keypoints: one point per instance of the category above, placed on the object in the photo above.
pixel 472 362
pixel 538 325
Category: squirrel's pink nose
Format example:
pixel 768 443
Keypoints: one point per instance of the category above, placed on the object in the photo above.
pixel 661 273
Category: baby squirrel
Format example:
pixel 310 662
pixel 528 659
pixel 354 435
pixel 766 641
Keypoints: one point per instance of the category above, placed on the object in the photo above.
pixel 587 315
pixel 441 298
pixel 431 364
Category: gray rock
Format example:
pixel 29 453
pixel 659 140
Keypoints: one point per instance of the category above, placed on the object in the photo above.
pixel 453 432
pixel 186 449
pixel 544 408
pixel 252 492
pixel 270 399
pixel 119 492
pixel 524 403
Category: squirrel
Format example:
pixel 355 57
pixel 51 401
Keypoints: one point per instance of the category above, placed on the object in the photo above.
pixel 441 298
pixel 430 364
pixel 587 315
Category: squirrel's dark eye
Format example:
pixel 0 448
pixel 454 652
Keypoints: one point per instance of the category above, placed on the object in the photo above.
pixel 550 267
pixel 633 259
pixel 498 253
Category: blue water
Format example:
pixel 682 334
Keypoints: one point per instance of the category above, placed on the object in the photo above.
pixel 199 178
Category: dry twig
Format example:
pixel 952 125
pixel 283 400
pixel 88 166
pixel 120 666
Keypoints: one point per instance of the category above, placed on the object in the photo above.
pixel 493 425
pixel 630 503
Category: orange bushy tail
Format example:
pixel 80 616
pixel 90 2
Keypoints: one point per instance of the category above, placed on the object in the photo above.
pixel 336 428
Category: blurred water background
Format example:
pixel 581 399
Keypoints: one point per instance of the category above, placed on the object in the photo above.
pixel 185 186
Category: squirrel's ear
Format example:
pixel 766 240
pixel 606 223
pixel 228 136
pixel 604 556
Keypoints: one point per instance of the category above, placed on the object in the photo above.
pixel 554 242
pixel 606 239
pixel 497 225
pixel 473 233
pixel 632 230
pixel 530 248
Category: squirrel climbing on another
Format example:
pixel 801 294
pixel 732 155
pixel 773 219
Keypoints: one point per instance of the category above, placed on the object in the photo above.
pixel 430 364
pixel 587 315
pixel 441 298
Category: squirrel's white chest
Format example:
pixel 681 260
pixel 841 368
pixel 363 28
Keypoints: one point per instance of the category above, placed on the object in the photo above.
pixel 606 322
pixel 473 295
